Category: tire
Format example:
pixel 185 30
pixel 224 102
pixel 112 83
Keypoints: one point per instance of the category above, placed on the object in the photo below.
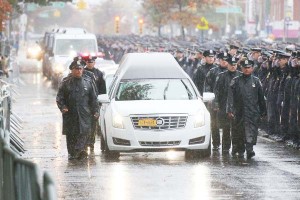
pixel 108 153
pixel 199 153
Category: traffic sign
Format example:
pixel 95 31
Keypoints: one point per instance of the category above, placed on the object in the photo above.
pixel 231 9
pixel 58 4
pixel 203 25
pixel 31 7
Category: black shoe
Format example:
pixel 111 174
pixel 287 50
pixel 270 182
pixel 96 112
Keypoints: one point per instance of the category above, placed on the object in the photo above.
pixel 241 155
pixel 234 152
pixel 71 157
pixel 250 154
pixel 82 155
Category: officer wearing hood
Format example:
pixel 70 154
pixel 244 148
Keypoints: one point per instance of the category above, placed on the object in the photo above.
pixel 76 98
pixel 245 105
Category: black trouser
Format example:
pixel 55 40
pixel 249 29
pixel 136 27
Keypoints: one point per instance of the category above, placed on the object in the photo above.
pixel 215 132
pixel 226 138
pixel 273 116
pixel 95 128
pixel 76 143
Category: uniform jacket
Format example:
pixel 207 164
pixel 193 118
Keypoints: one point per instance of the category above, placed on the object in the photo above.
pixel 221 93
pixel 211 77
pixel 99 80
pixel 79 96
pixel 200 75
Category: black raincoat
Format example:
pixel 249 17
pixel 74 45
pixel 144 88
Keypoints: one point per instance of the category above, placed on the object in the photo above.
pixel 247 102
pixel 200 75
pixel 78 95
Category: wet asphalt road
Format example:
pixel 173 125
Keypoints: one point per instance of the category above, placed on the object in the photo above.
pixel 274 173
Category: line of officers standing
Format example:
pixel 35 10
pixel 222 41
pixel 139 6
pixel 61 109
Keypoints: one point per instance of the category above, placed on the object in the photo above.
pixel 259 88
pixel 77 100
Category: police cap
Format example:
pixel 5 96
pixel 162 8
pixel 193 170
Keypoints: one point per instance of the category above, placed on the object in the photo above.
pixel 256 49
pixel 232 60
pixel 210 53
pixel 284 55
pixel 76 64
pixel 90 59
pixel 223 55
pixel 234 46
pixel 247 63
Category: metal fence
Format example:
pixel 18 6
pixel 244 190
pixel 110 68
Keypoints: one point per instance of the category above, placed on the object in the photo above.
pixel 19 178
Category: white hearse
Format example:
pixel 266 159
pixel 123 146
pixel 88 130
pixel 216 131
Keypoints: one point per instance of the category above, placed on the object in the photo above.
pixel 153 105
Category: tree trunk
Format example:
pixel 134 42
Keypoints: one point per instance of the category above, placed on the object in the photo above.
pixel 159 30
pixel 182 32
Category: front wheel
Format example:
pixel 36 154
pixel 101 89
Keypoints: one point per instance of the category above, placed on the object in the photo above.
pixel 199 153
pixel 108 153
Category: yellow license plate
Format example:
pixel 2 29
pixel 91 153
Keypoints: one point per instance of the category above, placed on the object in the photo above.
pixel 147 122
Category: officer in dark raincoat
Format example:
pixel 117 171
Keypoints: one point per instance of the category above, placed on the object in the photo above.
pixel 76 98
pixel 221 92
pixel 246 105
pixel 209 84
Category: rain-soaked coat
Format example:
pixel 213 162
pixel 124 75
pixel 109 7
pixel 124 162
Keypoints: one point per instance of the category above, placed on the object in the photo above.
pixel 79 96
pixel 247 102
pixel 221 93
pixel 200 75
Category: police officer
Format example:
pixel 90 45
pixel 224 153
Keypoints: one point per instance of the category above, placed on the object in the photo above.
pixel 284 94
pixel 233 48
pixel 221 93
pixel 180 58
pixel 272 94
pixel 255 54
pixel 77 100
pixel 98 75
pixel 293 136
pixel 101 89
pixel 200 75
pixel 245 105
pixel 195 59
pixel 209 86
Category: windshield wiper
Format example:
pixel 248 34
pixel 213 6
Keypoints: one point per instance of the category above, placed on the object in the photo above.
pixel 187 89
pixel 166 89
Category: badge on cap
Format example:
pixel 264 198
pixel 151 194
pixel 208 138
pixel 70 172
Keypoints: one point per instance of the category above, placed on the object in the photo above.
pixel 246 62
pixel 211 51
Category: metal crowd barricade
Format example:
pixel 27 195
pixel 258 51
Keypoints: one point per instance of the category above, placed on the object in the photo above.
pixel 19 178
pixel 26 180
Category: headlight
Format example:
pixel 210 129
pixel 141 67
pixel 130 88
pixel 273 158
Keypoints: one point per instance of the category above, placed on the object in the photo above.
pixel 199 119
pixel 58 68
pixel 117 121
pixel 72 53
